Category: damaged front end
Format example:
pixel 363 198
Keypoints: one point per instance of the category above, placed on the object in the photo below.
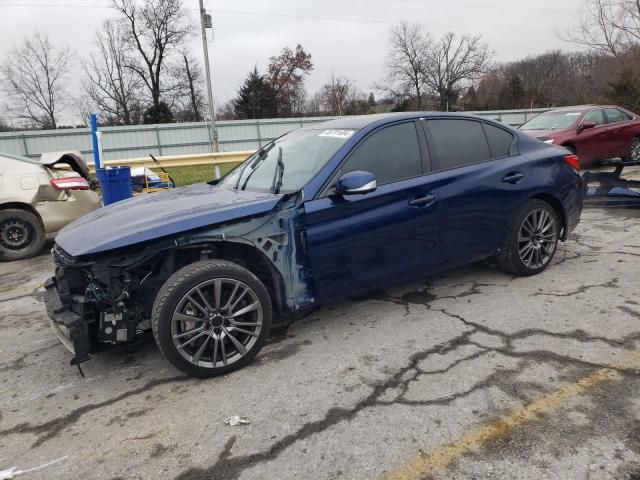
pixel 90 304
pixel 103 299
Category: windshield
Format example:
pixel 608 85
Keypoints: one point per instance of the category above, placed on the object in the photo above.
pixel 288 163
pixel 552 121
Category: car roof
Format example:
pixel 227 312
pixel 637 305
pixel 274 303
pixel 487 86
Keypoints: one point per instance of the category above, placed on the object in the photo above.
pixel 359 122
pixel 18 157
pixel 583 108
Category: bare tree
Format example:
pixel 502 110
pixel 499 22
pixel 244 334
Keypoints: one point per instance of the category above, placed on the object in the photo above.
pixel 630 24
pixel 153 29
pixel 600 27
pixel 188 88
pixel 406 62
pixel 112 87
pixel 336 94
pixel 452 61
pixel 315 104
pixel 33 79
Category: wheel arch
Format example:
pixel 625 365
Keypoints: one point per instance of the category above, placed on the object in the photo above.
pixel 21 206
pixel 556 204
pixel 244 254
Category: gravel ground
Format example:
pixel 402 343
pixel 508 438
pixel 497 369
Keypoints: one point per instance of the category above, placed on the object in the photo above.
pixel 468 374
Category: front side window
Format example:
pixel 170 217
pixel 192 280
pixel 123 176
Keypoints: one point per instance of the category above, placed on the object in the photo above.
pixel 616 116
pixel 391 154
pixel 595 116
pixel 288 163
pixel 457 143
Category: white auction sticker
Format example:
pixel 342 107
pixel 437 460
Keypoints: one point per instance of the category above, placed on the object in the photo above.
pixel 337 133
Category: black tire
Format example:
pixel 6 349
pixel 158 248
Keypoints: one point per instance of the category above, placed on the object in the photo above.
pixel 511 259
pixel 22 235
pixel 633 157
pixel 174 298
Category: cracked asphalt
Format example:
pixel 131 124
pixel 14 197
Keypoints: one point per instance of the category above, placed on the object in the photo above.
pixel 468 374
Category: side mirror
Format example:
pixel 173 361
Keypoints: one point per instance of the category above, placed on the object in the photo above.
pixel 586 126
pixel 356 183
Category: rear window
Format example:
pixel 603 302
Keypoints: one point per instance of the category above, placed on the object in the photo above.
pixel 18 157
pixel 457 143
pixel 500 141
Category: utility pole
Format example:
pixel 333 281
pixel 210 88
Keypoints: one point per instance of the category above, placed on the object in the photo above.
pixel 205 21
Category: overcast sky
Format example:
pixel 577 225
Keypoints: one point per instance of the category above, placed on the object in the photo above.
pixel 348 37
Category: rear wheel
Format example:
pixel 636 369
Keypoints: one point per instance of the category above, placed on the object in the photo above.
pixel 211 317
pixel 533 240
pixel 634 152
pixel 22 235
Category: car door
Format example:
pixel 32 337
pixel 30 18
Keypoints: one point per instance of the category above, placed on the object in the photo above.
pixel 621 132
pixel 360 243
pixel 482 181
pixel 593 144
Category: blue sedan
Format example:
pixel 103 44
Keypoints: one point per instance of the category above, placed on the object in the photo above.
pixel 332 210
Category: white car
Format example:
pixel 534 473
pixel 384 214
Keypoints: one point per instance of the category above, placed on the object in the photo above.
pixel 39 197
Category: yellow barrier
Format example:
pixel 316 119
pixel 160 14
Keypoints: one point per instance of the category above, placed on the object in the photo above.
pixel 223 158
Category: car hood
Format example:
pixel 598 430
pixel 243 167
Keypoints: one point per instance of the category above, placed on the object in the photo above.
pixel 151 216
pixel 544 133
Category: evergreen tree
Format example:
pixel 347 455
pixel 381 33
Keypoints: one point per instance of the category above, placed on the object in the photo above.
pixel 160 113
pixel 625 91
pixel 512 95
pixel 256 98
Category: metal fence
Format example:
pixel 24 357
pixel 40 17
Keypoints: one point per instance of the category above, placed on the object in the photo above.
pixel 181 138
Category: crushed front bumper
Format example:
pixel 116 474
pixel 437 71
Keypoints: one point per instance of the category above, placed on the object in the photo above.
pixel 70 327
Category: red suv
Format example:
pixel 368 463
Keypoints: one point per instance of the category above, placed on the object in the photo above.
pixel 594 133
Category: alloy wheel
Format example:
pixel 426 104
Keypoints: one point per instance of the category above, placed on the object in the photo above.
pixel 217 323
pixel 15 234
pixel 537 239
pixel 634 155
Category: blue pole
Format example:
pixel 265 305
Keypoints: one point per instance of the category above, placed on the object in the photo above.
pixel 94 137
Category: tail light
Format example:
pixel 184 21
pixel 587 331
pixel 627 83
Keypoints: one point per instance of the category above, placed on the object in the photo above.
pixel 573 160
pixel 70 183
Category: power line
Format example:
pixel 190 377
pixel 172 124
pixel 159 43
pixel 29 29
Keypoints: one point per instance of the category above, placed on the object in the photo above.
pixel 375 21
pixel 427 3
pixel 413 2
pixel 305 17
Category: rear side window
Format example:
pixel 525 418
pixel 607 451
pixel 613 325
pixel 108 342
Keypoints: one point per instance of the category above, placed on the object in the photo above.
pixel 500 141
pixel 391 154
pixel 457 143
pixel 595 116
pixel 616 116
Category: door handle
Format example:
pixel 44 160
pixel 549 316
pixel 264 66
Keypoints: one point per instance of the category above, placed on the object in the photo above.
pixel 422 202
pixel 512 178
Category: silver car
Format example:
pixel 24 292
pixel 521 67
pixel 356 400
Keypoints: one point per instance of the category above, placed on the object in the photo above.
pixel 39 197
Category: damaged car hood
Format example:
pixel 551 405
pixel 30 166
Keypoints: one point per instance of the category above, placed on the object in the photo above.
pixel 151 216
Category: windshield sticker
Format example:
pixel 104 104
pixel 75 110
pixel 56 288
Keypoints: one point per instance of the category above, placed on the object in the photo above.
pixel 572 114
pixel 337 133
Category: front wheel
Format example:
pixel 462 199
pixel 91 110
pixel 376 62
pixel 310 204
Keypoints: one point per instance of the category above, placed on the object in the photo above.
pixel 211 317
pixel 533 240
